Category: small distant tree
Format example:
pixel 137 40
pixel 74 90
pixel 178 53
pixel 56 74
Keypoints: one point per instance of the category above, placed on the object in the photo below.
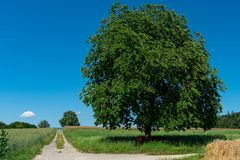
pixel 2 125
pixel 43 124
pixel 69 119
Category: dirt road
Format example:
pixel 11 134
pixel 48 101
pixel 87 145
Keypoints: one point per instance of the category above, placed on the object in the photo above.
pixel 50 152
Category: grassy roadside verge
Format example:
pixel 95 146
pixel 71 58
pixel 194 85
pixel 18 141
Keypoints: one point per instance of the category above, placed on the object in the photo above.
pixel 60 140
pixel 25 144
pixel 196 157
pixel 95 140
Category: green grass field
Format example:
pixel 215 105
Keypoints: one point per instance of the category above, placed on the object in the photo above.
pixel 26 143
pixel 123 141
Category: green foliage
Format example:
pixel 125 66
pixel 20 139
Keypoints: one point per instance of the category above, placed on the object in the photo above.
pixel 2 125
pixel 43 124
pixel 230 120
pixel 69 119
pixel 21 125
pixel 146 68
pixel 4 143
pixel 124 141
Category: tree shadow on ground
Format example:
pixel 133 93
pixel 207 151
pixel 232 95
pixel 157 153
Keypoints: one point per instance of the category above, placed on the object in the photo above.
pixel 177 140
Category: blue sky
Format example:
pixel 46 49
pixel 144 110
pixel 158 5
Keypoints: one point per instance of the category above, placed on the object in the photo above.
pixel 43 45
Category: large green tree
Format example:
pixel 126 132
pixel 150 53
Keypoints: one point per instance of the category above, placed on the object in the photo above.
pixel 146 68
pixel 69 119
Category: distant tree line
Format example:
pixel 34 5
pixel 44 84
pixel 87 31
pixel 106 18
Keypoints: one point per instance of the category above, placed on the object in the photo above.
pixel 18 124
pixel 229 120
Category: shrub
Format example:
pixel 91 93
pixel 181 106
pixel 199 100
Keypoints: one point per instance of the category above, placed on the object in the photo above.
pixel 3 143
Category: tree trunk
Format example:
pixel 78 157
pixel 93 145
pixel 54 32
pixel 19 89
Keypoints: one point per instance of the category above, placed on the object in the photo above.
pixel 147 131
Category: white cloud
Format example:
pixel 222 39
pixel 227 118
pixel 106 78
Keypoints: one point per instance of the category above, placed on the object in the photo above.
pixel 27 114
pixel 78 112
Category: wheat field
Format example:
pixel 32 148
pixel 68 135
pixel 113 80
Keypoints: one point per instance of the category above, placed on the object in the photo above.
pixel 223 150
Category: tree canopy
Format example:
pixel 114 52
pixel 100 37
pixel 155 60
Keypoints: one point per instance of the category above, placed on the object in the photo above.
pixel 43 124
pixel 69 119
pixel 146 68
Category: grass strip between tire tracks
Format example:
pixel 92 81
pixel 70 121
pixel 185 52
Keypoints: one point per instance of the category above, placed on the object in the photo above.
pixel 60 140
